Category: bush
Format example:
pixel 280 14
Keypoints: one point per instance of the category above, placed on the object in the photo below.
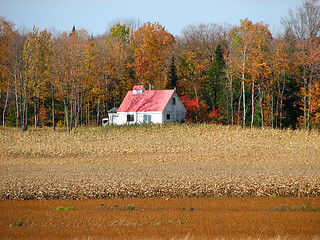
pixel 66 208
pixel 10 118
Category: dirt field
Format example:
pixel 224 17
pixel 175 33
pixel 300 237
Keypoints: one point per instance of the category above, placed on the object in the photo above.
pixel 162 218
pixel 235 179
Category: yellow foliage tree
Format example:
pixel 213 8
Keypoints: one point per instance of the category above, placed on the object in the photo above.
pixel 153 47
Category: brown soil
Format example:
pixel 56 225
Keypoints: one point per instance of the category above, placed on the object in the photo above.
pixel 162 218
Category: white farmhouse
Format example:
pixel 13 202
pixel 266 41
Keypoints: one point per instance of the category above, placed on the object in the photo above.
pixel 148 106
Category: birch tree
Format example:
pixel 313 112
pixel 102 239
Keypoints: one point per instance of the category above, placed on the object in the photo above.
pixel 248 59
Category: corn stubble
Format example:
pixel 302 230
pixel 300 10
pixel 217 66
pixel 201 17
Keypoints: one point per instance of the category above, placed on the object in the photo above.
pixel 158 161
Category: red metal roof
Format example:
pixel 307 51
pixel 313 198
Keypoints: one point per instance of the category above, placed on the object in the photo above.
pixel 148 101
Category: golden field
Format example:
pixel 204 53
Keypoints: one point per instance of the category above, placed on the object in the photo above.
pixel 160 182
pixel 159 161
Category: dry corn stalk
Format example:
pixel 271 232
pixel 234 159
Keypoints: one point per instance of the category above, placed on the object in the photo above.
pixel 159 161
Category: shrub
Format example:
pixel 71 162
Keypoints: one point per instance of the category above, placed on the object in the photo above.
pixel 19 223
pixel 66 208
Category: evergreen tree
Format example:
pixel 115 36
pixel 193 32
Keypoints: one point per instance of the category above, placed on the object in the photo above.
pixel 291 107
pixel 172 75
pixel 212 87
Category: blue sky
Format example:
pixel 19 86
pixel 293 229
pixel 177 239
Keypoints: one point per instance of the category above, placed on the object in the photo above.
pixel 97 15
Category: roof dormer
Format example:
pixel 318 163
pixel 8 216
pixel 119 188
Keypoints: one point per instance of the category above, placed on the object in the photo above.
pixel 138 89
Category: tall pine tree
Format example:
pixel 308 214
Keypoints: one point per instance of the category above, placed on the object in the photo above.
pixel 172 75
pixel 212 87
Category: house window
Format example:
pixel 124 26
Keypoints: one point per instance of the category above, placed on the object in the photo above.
pixel 173 101
pixel 168 116
pixel 130 118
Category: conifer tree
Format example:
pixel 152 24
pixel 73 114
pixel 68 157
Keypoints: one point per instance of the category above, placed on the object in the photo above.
pixel 212 89
pixel 172 75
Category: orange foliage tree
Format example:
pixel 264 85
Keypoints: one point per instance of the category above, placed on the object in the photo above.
pixel 152 49
pixel 7 35
pixel 314 91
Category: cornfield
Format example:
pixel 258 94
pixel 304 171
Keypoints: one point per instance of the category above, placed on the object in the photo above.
pixel 158 161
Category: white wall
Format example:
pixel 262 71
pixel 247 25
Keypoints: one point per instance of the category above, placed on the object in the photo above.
pixel 121 119
pixel 177 111
pixel 156 117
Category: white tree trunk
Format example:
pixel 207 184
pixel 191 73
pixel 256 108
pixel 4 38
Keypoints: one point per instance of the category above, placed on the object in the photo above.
pixel 252 103
pixel 5 107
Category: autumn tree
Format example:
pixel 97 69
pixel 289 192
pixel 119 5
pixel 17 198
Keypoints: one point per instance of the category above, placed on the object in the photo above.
pixel 7 38
pixel 304 24
pixel 200 65
pixel 117 63
pixel 314 92
pixel 30 84
pixel 196 110
pixel 196 50
pixel 248 59
pixel 238 60
pixel 280 68
pixel 260 72
pixel 36 56
pixel 191 73
pixel 152 50
pixel 74 72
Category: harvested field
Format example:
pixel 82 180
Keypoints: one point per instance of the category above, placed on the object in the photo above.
pixel 158 161
pixel 160 182
pixel 162 218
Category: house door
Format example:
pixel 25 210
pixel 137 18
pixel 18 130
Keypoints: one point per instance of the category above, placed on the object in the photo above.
pixel 147 119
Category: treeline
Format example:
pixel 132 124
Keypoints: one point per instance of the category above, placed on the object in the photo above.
pixel 224 74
